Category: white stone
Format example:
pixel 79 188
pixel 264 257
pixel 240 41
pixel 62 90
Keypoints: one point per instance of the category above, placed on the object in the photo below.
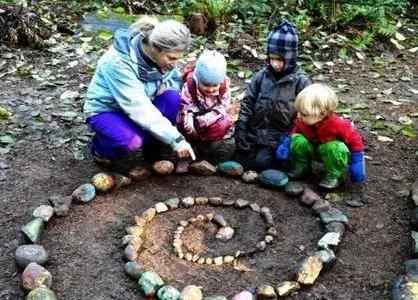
pixel 44 211
pixel 329 239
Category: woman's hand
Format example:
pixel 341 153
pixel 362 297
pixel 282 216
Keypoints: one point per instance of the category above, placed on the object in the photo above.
pixel 184 149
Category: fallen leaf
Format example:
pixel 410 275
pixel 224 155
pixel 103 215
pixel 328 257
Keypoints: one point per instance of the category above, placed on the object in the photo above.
pixel 405 120
pixel 396 43
pixel 359 55
pixel 384 138
pixel 413 50
pixel 399 36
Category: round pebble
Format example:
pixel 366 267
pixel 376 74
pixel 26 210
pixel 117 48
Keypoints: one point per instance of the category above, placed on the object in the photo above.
pixel 139 173
pixel 250 176
pixel 191 292
pixel 44 211
pixel 273 178
pixel 149 282
pixel 84 193
pixel 133 269
pixel 163 167
pixel 41 293
pixel 230 168
pixel 294 188
pixel 225 234
pixel 168 292
pixel 103 182
pixel 27 254
pixel 35 276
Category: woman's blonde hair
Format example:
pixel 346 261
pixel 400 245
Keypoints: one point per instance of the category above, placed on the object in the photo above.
pixel 168 35
pixel 317 100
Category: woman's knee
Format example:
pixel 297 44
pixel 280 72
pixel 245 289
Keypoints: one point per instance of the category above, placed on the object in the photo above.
pixel 132 144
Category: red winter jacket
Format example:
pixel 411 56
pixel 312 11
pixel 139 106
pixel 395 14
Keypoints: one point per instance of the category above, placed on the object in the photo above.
pixel 330 129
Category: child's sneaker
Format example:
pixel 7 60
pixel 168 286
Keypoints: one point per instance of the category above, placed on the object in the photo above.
pixel 330 183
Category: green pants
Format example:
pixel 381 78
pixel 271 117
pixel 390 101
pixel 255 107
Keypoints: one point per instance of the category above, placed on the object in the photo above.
pixel 334 155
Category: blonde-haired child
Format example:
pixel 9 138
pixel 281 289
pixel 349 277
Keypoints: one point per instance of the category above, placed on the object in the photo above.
pixel 320 133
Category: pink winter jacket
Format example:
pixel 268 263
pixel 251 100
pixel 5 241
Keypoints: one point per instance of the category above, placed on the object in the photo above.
pixel 196 114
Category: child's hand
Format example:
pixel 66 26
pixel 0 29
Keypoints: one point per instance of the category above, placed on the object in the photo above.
pixel 185 150
pixel 283 151
pixel 357 167
pixel 189 126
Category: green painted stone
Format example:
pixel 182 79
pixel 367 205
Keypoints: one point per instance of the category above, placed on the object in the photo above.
pixel 34 230
pixel 149 282
pixel 41 293
pixel 168 292
pixel 230 168
pixel 273 178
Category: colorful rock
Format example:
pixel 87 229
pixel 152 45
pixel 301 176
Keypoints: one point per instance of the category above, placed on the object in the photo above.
pixel 168 292
pixel 84 193
pixel 287 287
pixel 103 182
pixel 41 293
pixel 250 176
pixel 35 276
pixel 265 292
pixel 121 181
pixel 149 282
pixel 34 230
pixel 273 178
pixel 225 234
pixel 163 167
pixel 308 270
pixel 309 197
pixel 139 173
pixel 191 292
pixel 230 168
pixel 294 188
pixel 27 254
pixel 44 211
pixel 202 168
pixel 133 269
pixel 243 295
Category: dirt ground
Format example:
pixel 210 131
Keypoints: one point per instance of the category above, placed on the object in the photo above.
pixel 84 247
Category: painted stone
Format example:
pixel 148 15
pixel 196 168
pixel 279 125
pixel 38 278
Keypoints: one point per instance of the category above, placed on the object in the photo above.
pixel 202 168
pixel 34 230
pixel 61 204
pixel 250 176
pixel 241 203
pixel 161 207
pixel 309 197
pixel 130 254
pixel 273 178
pixel 191 292
pixel 139 173
pixel 333 215
pixel 35 276
pixel 215 201
pixel 287 287
pixel 294 188
pixel 168 292
pixel 41 293
pixel 121 181
pixel 220 220
pixel 335 227
pixel 44 211
pixel 182 167
pixel 308 270
pixel 133 269
pixel 187 201
pixel 149 282
pixel 84 193
pixel 27 254
pixel 172 203
pixel 230 168
pixel 103 182
pixel 265 292
pixel 225 234
pixel 243 295
pixel 201 200
pixel 163 167
pixel 327 256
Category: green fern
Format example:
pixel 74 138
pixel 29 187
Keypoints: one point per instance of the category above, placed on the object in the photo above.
pixel 364 40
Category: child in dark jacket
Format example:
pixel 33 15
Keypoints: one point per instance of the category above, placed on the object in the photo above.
pixel 267 111
pixel 319 132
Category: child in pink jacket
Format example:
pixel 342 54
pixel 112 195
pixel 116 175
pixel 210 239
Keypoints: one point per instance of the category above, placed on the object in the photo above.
pixel 206 99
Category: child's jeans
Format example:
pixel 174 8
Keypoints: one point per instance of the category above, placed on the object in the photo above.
pixel 117 135
pixel 334 155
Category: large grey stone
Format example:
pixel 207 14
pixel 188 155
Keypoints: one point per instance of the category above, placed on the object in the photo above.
pixel 335 227
pixel 333 215
pixel 202 168
pixel 326 256
pixel 411 268
pixel 415 192
pixel 27 254
pixel 294 188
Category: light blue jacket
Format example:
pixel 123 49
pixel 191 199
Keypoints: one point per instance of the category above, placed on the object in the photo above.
pixel 124 82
